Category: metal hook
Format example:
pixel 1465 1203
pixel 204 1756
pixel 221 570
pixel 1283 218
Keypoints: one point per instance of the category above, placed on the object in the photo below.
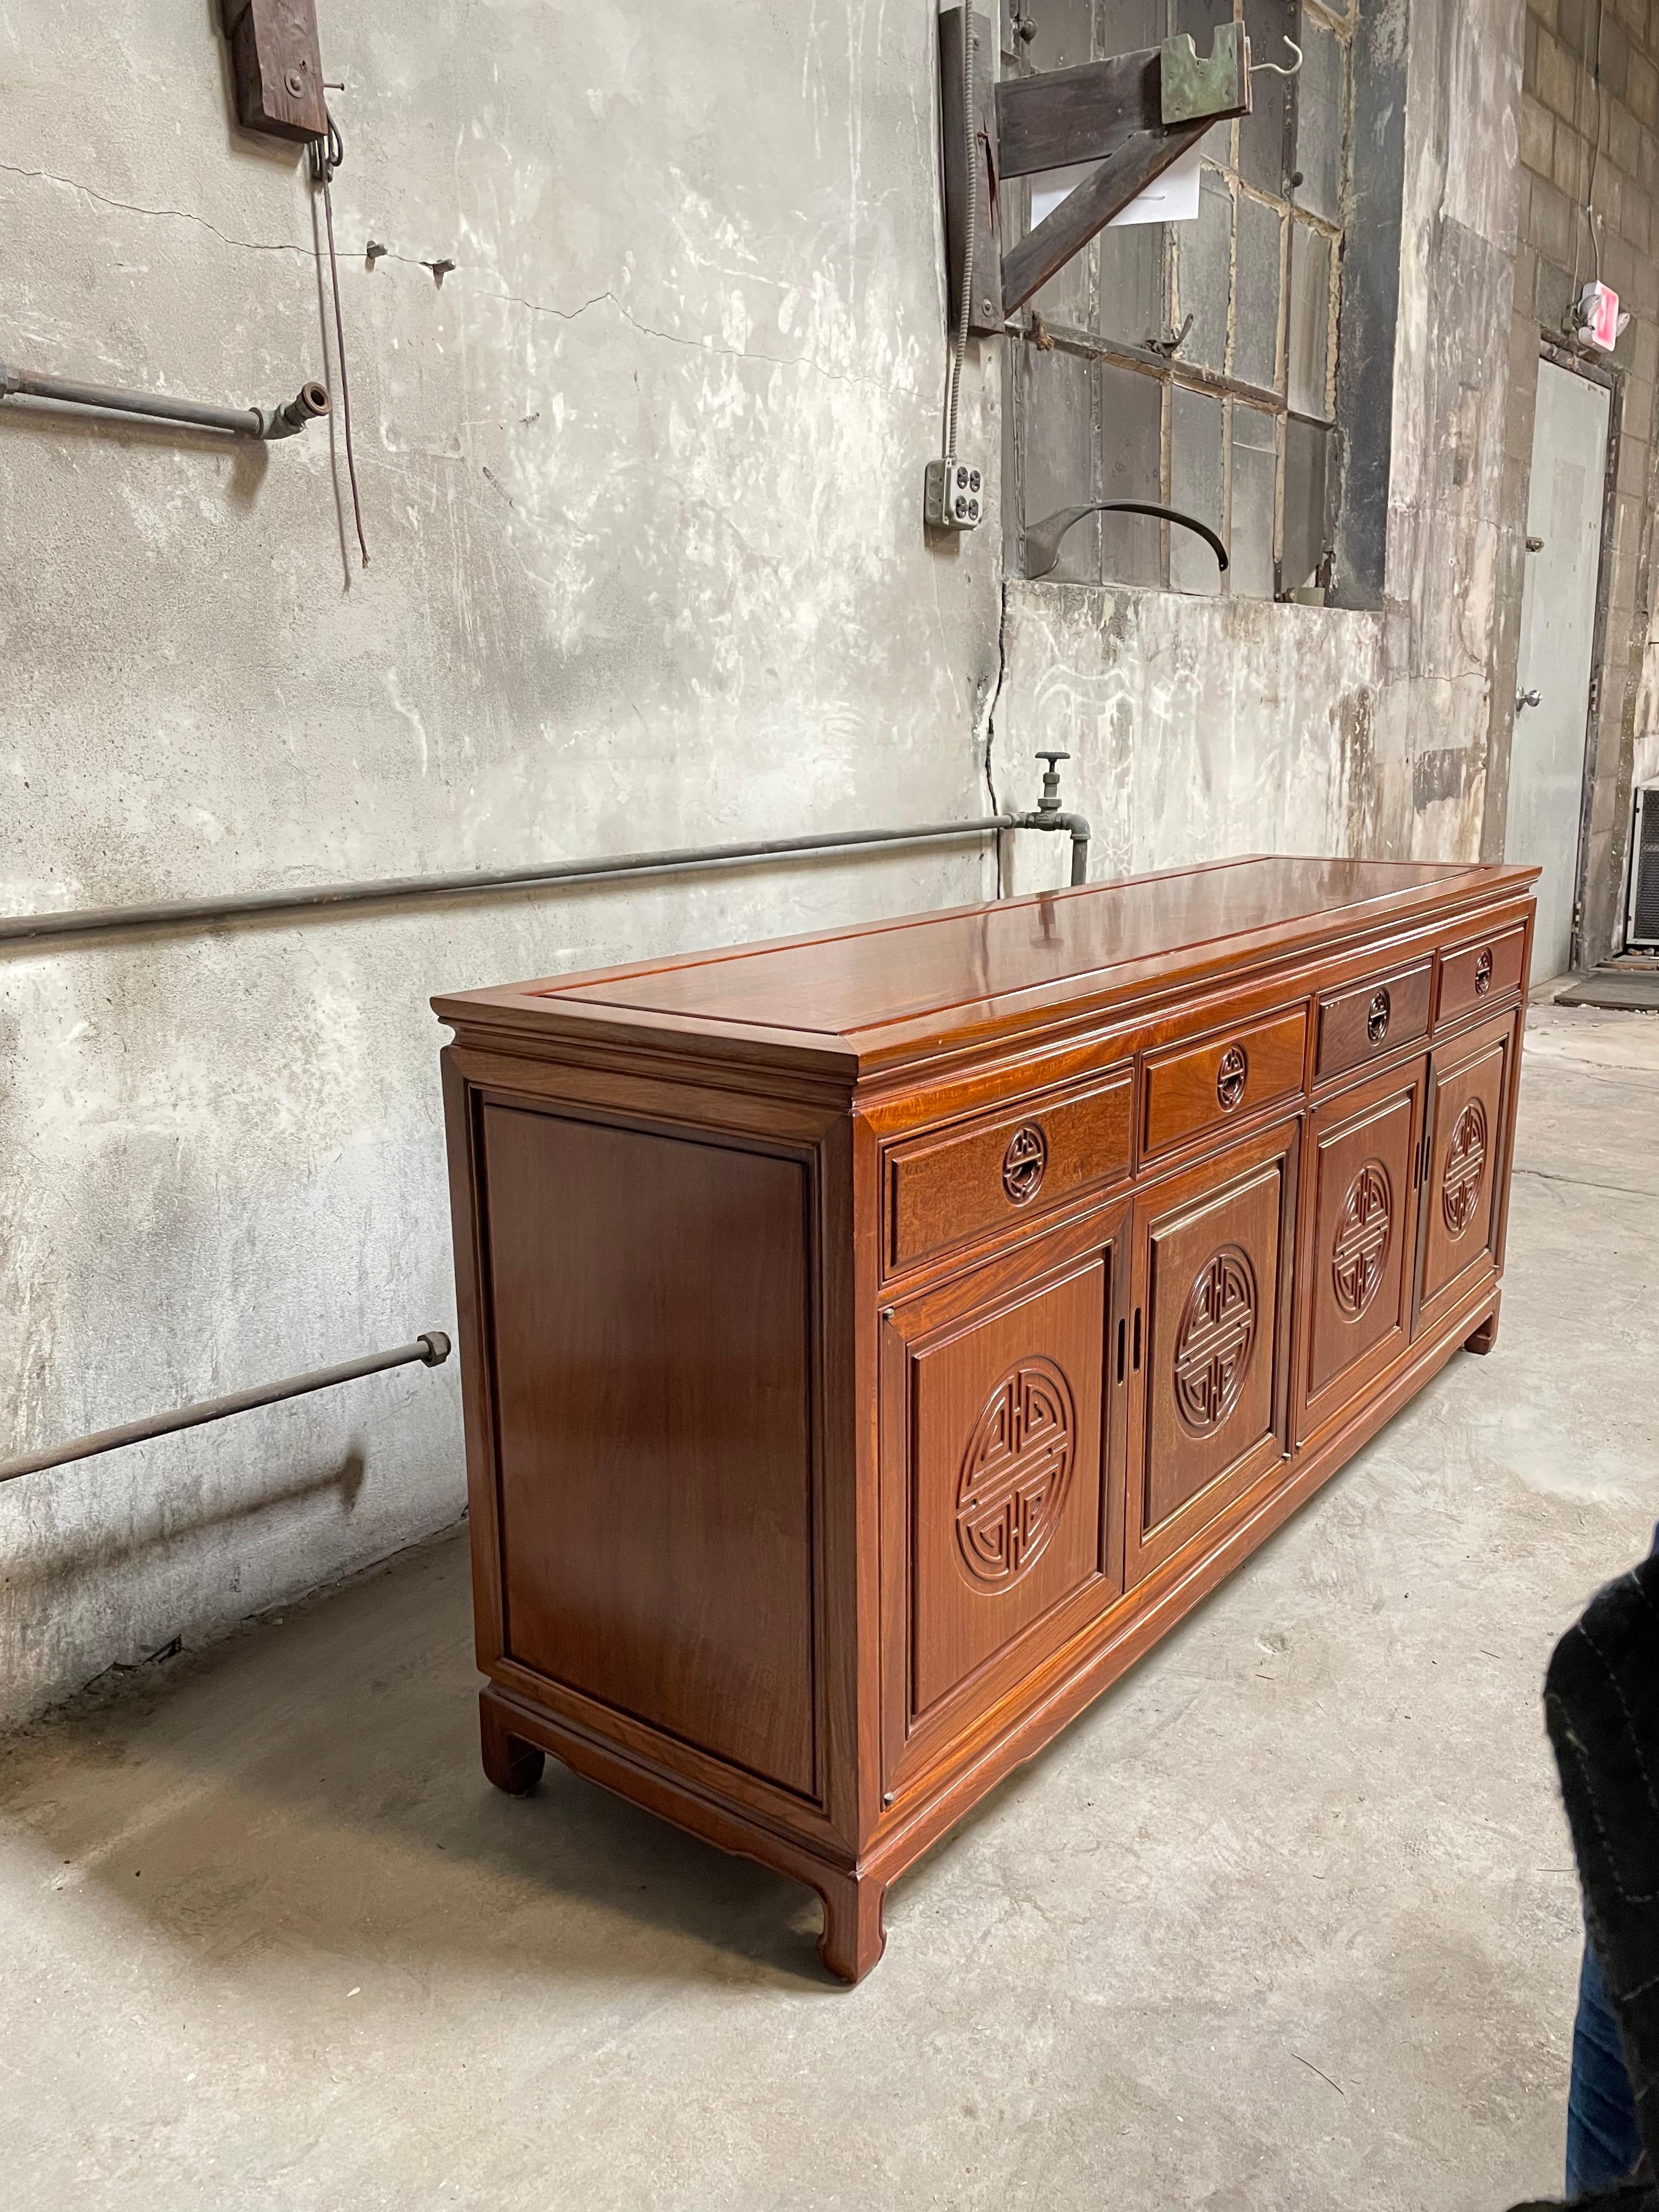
pixel 1277 68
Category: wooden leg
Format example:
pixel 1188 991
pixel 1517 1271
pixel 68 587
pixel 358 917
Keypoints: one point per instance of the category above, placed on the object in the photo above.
pixel 511 1763
pixel 852 1938
pixel 1486 1336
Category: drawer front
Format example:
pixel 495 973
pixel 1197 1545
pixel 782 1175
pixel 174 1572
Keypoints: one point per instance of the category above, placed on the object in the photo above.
pixel 1204 1086
pixel 1477 972
pixel 1360 1025
pixel 951 1188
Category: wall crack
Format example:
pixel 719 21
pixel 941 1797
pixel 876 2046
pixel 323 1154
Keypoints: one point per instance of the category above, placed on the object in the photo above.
pixel 510 299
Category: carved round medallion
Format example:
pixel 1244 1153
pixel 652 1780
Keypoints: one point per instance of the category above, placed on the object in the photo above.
pixel 1216 1339
pixel 1376 1016
pixel 1363 1232
pixel 1014 1472
pixel 1024 1164
pixel 1232 1076
pixel 1465 1169
pixel 1483 973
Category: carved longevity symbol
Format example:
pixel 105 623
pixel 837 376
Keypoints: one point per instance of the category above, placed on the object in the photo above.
pixel 1362 1239
pixel 1218 1334
pixel 1465 1169
pixel 1014 1478
pixel 1230 1077
pixel 1376 1016
pixel 1483 974
pixel 1024 1164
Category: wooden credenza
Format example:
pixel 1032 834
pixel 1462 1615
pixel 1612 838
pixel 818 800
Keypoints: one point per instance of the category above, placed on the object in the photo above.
pixel 872 1343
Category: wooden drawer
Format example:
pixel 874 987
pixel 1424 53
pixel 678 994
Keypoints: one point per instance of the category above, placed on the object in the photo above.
pixel 1483 970
pixel 1202 1086
pixel 947 1189
pixel 1360 1025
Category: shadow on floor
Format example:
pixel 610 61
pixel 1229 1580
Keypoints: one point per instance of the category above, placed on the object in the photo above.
pixel 313 1783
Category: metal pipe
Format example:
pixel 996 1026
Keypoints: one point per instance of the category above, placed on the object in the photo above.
pixel 94 921
pixel 263 422
pixel 431 1349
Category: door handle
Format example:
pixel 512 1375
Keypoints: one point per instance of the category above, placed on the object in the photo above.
pixel 1533 698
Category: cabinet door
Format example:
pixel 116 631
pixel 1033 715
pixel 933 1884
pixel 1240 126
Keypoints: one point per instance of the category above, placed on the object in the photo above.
pixel 1357 1272
pixel 1210 1340
pixel 1001 1471
pixel 1466 1162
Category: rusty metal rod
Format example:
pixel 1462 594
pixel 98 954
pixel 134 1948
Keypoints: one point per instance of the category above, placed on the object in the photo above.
pixel 96 921
pixel 431 1349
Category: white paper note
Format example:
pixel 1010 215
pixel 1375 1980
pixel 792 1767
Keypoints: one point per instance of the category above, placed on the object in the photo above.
pixel 1172 197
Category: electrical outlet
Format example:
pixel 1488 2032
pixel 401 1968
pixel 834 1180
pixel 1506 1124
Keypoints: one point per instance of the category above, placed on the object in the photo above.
pixel 956 495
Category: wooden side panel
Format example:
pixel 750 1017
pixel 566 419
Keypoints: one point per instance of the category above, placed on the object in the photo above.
pixel 1229 1076
pixel 1357 1272
pixel 965 1183
pixel 1467 1152
pixel 653 1314
pixel 1211 1337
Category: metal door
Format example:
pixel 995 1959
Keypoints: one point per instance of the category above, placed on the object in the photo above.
pixel 1558 639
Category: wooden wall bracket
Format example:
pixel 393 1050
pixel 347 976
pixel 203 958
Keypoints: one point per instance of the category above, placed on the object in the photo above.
pixel 1133 115
pixel 277 64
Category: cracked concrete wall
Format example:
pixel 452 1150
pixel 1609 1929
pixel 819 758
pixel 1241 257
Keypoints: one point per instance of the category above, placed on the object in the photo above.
pixel 1199 727
pixel 642 483
pixel 1449 509
pixel 1205 726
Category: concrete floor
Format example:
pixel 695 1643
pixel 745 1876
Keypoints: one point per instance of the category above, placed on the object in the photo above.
pixel 1288 1921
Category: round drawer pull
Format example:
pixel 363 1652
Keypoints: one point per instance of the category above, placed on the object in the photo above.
pixel 1483 972
pixel 1376 1016
pixel 1024 1164
pixel 1232 1076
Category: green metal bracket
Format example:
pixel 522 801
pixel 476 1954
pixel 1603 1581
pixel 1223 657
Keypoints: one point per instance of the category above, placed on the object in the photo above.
pixel 1192 89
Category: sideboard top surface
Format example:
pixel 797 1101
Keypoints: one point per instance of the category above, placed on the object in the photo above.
pixel 891 991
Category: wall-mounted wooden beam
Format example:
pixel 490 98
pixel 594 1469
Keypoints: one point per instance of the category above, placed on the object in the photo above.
pixel 1134 114
pixel 277 64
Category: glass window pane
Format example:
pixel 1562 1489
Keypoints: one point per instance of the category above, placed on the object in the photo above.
pixel 1065 29
pixel 1255 311
pixel 1126 26
pixel 1255 475
pixel 1319 99
pixel 1057 428
pixel 1307 445
pixel 1195 486
pixel 1203 266
pixel 1134 274
pixel 1310 320
pixel 1261 142
pixel 1064 33
pixel 1131 467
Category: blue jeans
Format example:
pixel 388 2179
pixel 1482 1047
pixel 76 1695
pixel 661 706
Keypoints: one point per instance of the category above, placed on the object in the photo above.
pixel 1604 2145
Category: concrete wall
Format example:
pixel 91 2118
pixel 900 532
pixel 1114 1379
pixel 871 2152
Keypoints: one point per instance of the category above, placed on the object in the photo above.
pixel 643 482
